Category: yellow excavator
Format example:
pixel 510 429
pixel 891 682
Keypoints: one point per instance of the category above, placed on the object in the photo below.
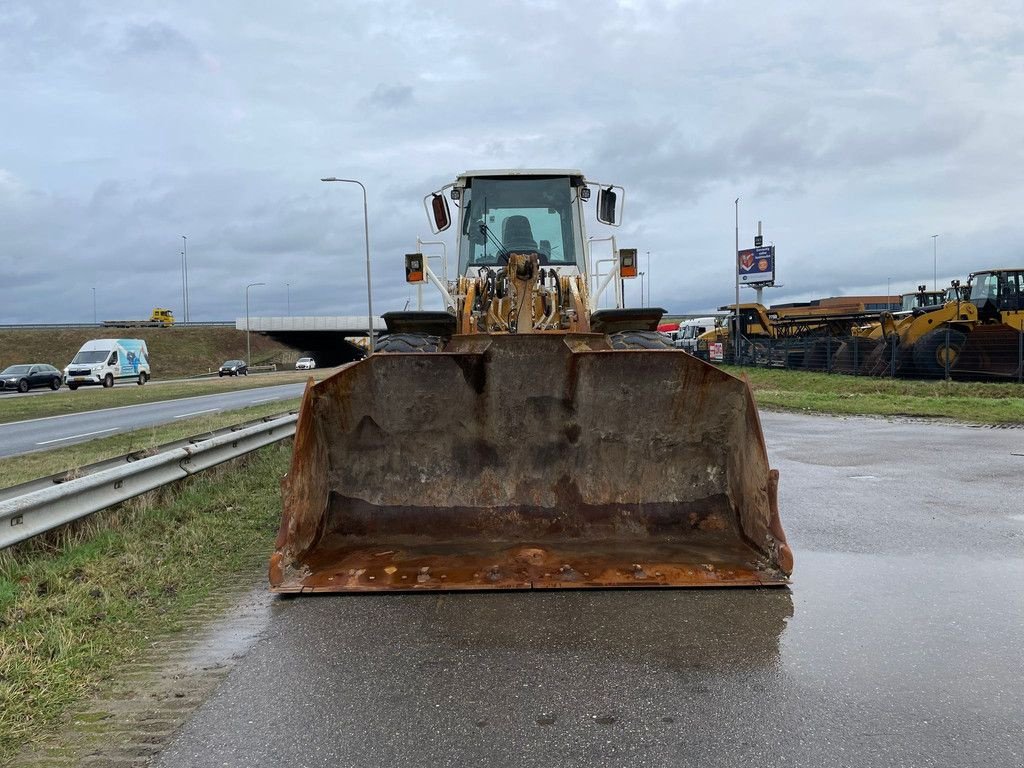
pixel 523 438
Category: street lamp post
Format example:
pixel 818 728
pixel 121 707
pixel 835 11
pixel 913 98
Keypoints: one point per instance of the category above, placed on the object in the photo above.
pixel 184 300
pixel 288 288
pixel 888 295
pixel 248 348
pixel 184 267
pixel 366 232
pixel 648 302
pixel 642 294
pixel 736 268
pixel 935 261
pixel 94 306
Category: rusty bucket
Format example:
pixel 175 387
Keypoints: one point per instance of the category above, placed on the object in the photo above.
pixel 529 461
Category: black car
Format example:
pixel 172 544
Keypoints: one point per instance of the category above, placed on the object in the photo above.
pixel 234 368
pixel 25 377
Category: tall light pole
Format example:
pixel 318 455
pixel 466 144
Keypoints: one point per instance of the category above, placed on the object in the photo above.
pixel 184 266
pixel 935 261
pixel 736 267
pixel 888 294
pixel 288 288
pixel 642 304
pixel 248 349
pixel 366 232
pixel 648 302
pixel 184 300
pixel 94 306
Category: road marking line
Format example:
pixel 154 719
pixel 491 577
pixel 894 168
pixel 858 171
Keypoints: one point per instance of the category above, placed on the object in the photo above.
pixel 84 434
pixel 196 413
pixel 156 402
pixel 264 400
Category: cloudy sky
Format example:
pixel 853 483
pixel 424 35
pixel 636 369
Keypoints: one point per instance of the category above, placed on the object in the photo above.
pixel 854 131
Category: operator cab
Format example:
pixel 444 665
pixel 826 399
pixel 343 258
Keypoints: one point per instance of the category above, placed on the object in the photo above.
pixel 529 212
pixel 922 298
pixel 997 291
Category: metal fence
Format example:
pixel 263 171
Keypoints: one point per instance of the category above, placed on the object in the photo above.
pixel 987 353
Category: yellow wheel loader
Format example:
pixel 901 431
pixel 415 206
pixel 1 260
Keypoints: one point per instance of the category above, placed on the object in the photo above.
pixel 524 438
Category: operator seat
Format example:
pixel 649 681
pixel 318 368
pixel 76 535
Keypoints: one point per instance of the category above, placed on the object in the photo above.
pixel 517 235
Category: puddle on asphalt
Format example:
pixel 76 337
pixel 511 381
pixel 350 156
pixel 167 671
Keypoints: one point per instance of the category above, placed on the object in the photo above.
pixel 232 636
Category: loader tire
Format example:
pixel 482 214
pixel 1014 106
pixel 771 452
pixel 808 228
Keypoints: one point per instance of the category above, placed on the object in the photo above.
pixel 931 352
pixel 639 340
pixel 407 342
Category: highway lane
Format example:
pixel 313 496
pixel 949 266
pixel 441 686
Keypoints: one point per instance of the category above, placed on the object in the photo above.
pixel 57 431
pixel 898 644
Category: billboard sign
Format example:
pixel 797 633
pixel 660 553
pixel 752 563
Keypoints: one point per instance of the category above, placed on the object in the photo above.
pixel 756 265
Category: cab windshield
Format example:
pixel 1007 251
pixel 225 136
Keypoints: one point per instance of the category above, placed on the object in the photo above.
pixel 95 356
pixel 985 287
pixel 527 215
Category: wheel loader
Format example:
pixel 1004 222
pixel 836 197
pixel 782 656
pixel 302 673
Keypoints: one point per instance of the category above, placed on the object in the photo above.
pixel 524 438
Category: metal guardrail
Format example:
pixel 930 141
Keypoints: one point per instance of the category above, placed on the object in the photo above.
pixel 177 324
pixel 42 509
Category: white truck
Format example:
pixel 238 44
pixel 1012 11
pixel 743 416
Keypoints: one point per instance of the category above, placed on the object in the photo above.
pixel 689 330
pixel 106 361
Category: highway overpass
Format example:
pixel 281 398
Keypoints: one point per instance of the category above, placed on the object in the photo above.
pixel 324 338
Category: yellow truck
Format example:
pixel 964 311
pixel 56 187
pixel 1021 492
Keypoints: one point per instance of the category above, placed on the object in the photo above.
pixel 160 317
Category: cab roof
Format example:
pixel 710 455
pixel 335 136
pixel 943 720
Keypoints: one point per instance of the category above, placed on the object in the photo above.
pixel 522 172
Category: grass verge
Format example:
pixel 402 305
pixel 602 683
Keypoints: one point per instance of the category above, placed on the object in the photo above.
pixel 20 407
pixel 29 466
pixel 973 402
pixel 78 602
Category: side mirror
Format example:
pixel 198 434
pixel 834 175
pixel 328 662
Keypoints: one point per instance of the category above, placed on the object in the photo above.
pixel 442 216
pixel 606 201
pixel 414 271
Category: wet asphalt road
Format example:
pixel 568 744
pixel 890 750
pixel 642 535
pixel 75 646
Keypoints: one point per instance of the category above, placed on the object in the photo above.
pixel 901 642
pixel 57 431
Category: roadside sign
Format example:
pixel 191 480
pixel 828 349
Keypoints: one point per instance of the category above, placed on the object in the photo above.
pixel 715 351
pixel 758 241
pixel 756 265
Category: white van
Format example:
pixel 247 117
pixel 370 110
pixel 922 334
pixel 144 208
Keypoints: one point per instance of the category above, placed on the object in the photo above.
pixel 689 330
pixel 106 361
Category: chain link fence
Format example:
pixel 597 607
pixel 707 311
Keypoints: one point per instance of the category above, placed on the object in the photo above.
pixel 984 353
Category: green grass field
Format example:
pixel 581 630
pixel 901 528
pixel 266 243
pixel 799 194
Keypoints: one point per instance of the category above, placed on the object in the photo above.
pixel 173 352
pixel 976 403
pixel 78 603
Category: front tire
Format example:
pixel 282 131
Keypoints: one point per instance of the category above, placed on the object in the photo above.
pixel 932 353
pixel 23 386
pixel 142 379
pixel 407 342
pixel 108 381
pixel 640 340
pixel 72 387
pixel 54 384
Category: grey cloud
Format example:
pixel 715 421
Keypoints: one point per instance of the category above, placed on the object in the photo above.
pixel 156 38
pixel 854 131
pixel 390 96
